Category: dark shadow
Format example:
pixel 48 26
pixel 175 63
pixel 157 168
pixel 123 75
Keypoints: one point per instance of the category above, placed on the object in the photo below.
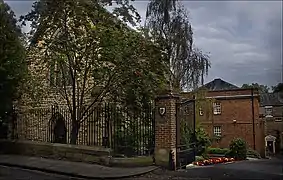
pixel 58 127
pixel 3 130
pixel 277 142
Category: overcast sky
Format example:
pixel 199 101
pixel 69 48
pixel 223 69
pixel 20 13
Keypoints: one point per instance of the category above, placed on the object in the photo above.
pixel 244 38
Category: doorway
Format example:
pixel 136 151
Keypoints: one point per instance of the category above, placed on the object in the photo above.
pixel 270 146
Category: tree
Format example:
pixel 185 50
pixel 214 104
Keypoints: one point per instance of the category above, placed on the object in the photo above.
pixel 86 54
pixel 12 60
pixel 168 23
pixel 261 88
pixel 277 88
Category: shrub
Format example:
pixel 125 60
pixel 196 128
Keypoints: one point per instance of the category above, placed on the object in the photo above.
pixel 205 155
pixel 229 154
pixel 199 158
pixel 253 154
pixel 238 149
pixel 202 139
pixel 217 150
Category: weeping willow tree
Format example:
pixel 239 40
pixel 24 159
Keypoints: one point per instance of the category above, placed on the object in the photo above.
pixel 168 23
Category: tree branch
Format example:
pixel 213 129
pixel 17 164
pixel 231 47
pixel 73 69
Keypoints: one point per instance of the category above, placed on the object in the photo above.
pixel 105 89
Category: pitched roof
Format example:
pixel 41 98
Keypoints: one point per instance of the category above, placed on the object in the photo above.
pixel 219 84
pixel 271 99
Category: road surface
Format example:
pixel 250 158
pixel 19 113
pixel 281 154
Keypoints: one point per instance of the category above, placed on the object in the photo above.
pixel 259 169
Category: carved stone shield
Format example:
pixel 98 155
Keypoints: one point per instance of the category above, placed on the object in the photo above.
pixel 162 111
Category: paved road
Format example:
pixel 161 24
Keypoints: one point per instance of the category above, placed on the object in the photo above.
pixel 260 170
pixel 9 173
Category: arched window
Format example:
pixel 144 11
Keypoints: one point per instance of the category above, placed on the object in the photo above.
pixel 60 73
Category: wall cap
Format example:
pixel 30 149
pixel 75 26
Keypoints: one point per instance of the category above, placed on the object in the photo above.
pixel 169 96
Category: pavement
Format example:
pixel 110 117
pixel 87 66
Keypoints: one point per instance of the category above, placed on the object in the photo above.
pixel 72 169
pixel 13 173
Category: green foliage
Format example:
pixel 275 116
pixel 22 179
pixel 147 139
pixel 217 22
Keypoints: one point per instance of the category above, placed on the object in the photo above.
pixel 238 149
pixel 199 158
pixel 253 154
pixel 45 8
pixel 261 88
pixel 217 150
pixel 143 80
pixel 12 61
pixel 129 128
pixel 277 88
pixel 202 139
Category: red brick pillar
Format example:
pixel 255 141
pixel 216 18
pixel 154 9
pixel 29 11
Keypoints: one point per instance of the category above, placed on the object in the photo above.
pixel 165 129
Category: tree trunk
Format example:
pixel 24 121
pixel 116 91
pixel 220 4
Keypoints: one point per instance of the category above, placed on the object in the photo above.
pixel 74 132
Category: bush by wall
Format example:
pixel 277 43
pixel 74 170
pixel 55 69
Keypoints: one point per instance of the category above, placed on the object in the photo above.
pixel 238 149
pixel 253 154
pixel 217 150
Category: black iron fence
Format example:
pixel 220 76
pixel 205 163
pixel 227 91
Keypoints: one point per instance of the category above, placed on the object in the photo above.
pixel 128 132
pixel 185 133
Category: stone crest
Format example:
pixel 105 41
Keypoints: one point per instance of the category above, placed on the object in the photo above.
pixel 162 111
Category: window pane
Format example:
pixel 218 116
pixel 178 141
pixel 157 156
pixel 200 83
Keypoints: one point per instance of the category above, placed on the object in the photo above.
pixel 217 130
pixel 217 108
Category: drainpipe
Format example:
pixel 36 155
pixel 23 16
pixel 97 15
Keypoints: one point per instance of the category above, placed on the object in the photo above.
pixel 253 116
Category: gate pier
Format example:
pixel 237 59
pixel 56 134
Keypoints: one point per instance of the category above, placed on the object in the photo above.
pixel 174 125
pixel 165 130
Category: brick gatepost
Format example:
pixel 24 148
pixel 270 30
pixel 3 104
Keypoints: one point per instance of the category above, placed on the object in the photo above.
pixel 165 129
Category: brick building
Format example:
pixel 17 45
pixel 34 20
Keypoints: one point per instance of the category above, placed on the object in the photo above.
pixel 234 113
pixel 271 111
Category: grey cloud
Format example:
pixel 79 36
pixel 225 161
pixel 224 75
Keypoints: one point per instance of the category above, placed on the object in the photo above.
pixel 243 37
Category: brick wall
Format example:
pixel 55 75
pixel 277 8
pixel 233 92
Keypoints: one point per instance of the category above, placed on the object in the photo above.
pixel 234 108
pixel 165 129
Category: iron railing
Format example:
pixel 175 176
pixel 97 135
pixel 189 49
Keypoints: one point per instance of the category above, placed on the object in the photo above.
pixel 128 132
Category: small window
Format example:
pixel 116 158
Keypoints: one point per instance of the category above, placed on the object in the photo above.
pixel 278 119
pixel 268 111
pixel 217 108
pixel 59 75
pixel 200 112
pixel 217 131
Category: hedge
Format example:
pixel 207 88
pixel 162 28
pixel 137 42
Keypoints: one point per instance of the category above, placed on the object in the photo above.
pixel 217 150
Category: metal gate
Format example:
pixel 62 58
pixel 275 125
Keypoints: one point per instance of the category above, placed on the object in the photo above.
pixel 185 132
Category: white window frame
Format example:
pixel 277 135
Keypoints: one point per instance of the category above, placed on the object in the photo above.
pixel 217 131
pixel 268 111
pixel 217 108
pixel 278 119
pixel 200 112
